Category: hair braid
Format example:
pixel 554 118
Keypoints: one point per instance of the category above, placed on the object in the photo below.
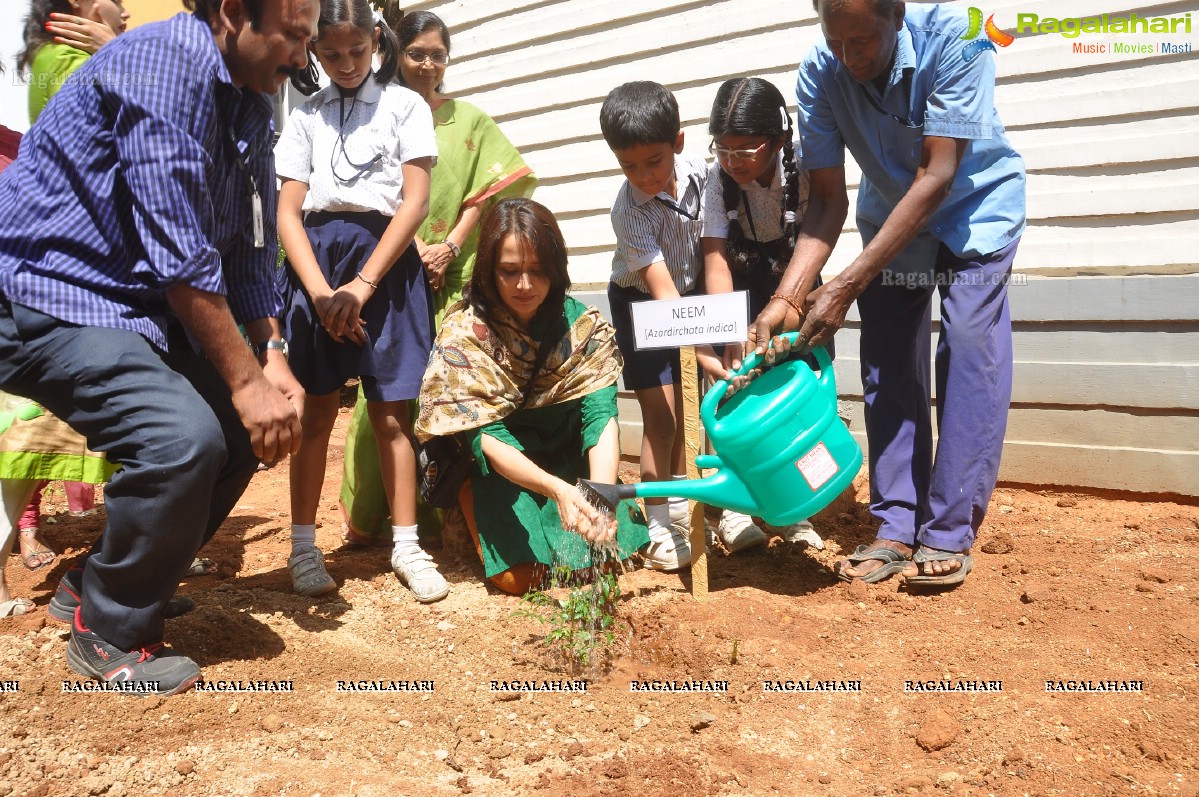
pixel 792 213
pixel 737 246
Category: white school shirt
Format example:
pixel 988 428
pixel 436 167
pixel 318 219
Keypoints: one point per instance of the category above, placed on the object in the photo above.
pixel 765 204
pixel 648 230
pixel 390 123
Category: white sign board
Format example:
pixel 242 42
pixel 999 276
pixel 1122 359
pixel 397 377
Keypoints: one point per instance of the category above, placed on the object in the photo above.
pixel 691 321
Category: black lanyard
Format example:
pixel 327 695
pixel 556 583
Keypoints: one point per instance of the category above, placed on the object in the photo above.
pixel 675 207
pixel 243 165
pixel 360 168
pixel 906 87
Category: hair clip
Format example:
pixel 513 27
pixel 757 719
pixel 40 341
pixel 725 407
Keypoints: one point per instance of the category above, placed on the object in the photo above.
pixel 378 15
pixel 786 118
pixel 732 214
pixel 789 217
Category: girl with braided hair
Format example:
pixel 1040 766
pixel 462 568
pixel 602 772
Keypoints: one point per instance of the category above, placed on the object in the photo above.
pixel 754 201
pixel 755 195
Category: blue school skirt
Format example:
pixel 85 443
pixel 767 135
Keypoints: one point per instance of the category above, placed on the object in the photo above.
pixel 398 316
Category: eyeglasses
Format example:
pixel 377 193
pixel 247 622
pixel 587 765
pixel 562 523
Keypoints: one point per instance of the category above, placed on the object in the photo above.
pixel 725 153
pixel 420 56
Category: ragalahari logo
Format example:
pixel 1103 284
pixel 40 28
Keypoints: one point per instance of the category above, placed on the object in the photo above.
pixel 994 35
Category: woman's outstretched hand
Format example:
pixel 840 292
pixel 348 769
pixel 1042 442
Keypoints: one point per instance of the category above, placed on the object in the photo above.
pixel 579 516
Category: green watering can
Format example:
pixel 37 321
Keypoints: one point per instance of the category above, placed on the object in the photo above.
pixel 784 454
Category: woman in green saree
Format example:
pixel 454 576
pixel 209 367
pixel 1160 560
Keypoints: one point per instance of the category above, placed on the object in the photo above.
pixel 476 167
pixel 529 375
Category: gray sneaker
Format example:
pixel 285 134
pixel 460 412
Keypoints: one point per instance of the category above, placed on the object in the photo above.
pixel 417 570
pixel 308 574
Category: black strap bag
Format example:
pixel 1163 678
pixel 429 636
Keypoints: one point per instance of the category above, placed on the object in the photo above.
pixel 443 464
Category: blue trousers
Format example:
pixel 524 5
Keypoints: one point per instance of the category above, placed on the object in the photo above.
pixel 937 502
pixel 168 419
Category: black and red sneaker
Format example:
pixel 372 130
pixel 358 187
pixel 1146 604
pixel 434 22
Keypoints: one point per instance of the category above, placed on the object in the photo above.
pixel 66 599
pixel 151 670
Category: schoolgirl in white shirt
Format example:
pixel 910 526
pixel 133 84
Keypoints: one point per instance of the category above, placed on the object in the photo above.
pixel 354 162
pixel 754 202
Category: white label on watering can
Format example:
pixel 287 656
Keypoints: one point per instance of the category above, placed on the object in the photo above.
pixel 817 466
pixel 691 321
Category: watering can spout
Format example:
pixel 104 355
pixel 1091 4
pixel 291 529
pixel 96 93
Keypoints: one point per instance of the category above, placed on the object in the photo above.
pixel 723 488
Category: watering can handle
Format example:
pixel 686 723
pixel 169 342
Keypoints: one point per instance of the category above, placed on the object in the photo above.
pixel 716 394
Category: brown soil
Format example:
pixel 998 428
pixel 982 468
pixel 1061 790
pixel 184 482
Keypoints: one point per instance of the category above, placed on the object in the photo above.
pixel 1066 586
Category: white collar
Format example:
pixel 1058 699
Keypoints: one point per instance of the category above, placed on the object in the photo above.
pixel 369 92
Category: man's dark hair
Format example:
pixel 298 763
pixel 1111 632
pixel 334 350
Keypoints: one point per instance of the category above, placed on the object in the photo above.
pixel 882 8
pixel 641 112
pixel 207 9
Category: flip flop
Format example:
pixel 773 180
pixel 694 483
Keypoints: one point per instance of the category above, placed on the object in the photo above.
pixel 33 549
pixel 926 555
pixel 15 607
pixel 893 562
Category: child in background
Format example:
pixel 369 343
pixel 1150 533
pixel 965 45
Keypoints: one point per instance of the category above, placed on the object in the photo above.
pixel 753 205
pixel 355 158
pixel 656 217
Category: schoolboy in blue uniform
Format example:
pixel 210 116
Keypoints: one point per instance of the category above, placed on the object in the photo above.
pixel 657 220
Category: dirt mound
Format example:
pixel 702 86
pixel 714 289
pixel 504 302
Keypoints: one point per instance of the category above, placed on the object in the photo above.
pixel 785 682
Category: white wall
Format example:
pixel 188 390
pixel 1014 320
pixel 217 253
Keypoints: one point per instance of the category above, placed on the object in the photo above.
pixel 1107 336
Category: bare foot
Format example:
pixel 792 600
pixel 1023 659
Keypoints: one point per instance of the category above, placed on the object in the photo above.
pixel 848 570
pixel 935 568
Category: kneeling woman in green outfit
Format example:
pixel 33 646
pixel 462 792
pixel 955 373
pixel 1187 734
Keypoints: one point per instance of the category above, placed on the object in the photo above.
pixel 529 374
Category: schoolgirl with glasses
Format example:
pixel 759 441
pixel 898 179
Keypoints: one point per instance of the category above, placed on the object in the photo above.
pixel 754 201
pixel 354 161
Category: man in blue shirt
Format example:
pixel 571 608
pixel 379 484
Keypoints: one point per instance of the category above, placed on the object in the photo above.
pixel 940 206
pixel 136 224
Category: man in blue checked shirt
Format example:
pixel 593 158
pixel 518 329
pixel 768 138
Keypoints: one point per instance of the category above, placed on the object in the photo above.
pixel 136 225
pixel 940 209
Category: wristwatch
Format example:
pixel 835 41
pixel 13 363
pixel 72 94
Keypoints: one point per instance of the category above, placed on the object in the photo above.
pixel 275 344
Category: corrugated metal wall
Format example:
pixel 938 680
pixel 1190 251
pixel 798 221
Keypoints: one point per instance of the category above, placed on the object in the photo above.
pixel 1106 331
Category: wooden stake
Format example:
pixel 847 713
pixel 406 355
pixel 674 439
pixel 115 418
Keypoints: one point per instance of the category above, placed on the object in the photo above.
pixel 699 547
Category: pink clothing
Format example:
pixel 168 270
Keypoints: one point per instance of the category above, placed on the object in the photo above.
pixel 81 497
pixel 9 141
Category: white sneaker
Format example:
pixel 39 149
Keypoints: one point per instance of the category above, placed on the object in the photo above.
pixel 803 531
pixel 417 570
pixel 680 522
pixel 738 532
pixel 669 553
